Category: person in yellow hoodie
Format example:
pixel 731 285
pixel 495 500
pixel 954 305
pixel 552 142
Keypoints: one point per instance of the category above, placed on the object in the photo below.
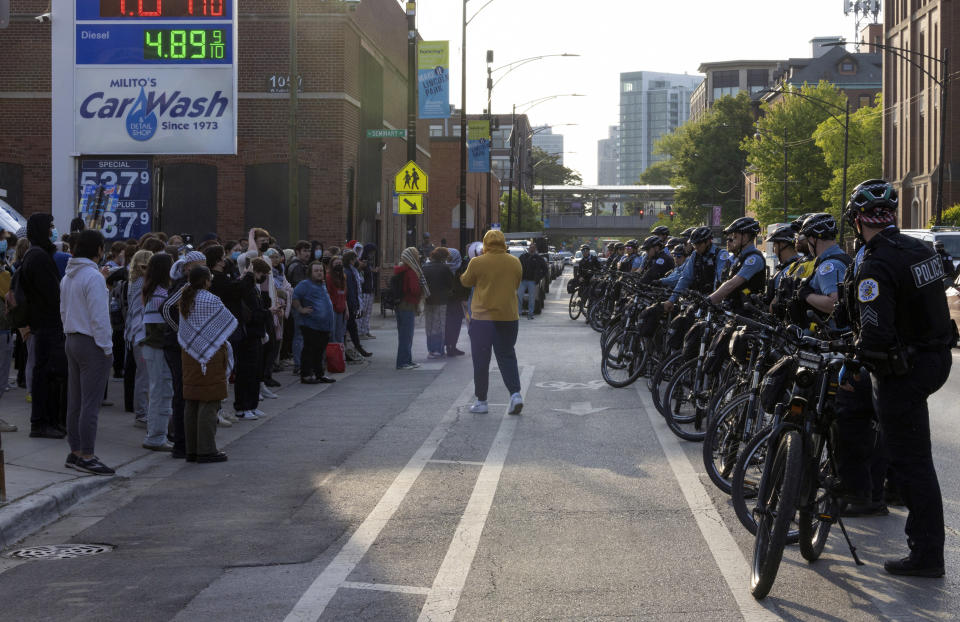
pixel 495 277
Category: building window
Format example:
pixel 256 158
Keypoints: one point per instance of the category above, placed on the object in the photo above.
pixel 627 87
pixel 757 77
pixel 436 130
pixel 724 91
pixel 864 102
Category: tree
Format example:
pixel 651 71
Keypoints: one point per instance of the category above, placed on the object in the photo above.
pixel 708 160
pixel 659 173
pixel 527 208
pixel 951 217
pixel 548 171
pixel 865 150
pixel 789 123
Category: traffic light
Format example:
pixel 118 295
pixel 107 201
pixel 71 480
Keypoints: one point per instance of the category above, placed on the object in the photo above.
pixel 641 212
pixel 672 214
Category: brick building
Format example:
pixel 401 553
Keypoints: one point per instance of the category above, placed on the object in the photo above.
pixel 353 63
pixel 483 201
pixel 912 124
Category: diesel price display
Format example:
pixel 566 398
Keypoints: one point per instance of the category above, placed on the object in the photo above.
pixel 164 8
pixel 183 44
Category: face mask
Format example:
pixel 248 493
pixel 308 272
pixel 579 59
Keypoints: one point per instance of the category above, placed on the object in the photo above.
pixel 54 235
pixel 3 246
pixel 318 254
pixel 235 255
pixel 264 247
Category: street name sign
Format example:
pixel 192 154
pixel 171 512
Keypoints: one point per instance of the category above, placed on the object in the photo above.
pixel 386 133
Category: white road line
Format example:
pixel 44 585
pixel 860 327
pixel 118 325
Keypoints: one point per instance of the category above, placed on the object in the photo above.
pixel 445 594
pixel 733 565
pixel 463 462
pixel 313 602
pixel 562 289
pixel 385 587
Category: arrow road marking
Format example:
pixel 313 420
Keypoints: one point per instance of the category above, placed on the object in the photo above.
pixel 581 409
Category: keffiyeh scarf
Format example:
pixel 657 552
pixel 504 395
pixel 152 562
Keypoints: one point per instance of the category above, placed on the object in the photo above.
pixel 206 330
pixel 411 259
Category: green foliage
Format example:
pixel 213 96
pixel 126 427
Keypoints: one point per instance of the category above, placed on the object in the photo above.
pixel 548 171
pixel 528 209
pixel 792 121
pixel 865 152
pixel 659 173
pixel 708 161
pixel 951 217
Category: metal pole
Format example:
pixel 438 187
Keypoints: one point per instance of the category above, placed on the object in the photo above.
pixel 293 176
pixel 945 82
pixel 463 133
pixel 490 159
pixel 785 218
pixel 412 94
pixel 513 143
pixel 846 143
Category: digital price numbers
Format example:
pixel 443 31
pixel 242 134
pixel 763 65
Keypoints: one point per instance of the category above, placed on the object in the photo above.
pixel 187 45
pixel 164 8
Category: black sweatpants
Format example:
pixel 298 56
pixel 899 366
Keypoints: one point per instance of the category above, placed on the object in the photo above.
pixel 246 384
pixel 314 352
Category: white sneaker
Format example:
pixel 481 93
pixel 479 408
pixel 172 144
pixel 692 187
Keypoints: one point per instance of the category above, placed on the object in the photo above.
pixel 479 407
pixel 247 415
pixel 516 404
pixel 227 416
pixel 223 422
pixel 267 393
pixel 259 413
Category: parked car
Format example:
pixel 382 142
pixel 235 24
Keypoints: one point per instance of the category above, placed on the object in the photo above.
pixel 566 256
pixel 950 236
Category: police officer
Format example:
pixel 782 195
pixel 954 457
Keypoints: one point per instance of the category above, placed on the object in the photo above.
pixel 630 260
pixel 701 271
pixel 685 235
pixel 613 262
pixel 903 329
pixel 749 271
pixel 949 272
pixel 820 291
pixel 589 264
pixel 661 232
pixel 779 289
pixel 657 263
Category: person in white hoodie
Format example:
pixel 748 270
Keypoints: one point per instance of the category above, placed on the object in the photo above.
pixel 85 311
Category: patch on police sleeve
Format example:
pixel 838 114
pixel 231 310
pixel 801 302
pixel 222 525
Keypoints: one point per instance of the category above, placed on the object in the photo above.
pixel 868 290
pixel 869 316
pixel 826 269
pixel 927 272
pixel 751 260
pixel 660 261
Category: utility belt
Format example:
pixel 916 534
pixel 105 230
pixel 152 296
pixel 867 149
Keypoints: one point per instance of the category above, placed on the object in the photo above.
pixel 898 359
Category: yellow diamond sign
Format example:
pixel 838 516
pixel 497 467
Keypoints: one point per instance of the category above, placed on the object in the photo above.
pixel 410 203
pixel 411 179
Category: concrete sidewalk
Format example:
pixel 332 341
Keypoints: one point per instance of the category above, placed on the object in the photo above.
pixel 40 489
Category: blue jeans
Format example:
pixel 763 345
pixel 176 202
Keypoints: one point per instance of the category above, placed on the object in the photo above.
pixel 160 406
pixel 297 345
pixel 529 287
pixel 406 321
pixel 501 337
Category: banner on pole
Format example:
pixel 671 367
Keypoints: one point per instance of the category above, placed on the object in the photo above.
pixel 478 146
pixel 433 78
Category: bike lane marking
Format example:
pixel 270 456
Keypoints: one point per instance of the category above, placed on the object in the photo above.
pixel 315 600
pixel 728 556
pixel 447 587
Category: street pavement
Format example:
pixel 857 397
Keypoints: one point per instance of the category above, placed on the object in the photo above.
pixel 382 498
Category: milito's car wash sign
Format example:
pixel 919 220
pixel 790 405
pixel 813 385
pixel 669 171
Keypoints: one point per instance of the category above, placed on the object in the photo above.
pixel 155 77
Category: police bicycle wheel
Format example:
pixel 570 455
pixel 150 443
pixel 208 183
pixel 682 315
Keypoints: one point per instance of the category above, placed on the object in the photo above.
pixel 576 304
pixel 686 401
pixel 746 481
pixel 779 491
pixel 725 438
pixel 818 507
pixel 622 358
pixel 661 380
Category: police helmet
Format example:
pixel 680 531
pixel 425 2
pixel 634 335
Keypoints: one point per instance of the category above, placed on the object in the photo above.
pixel 650 242
pixel 632 243
pixel 701 234
pixel 875 201
pixel 661 230
pixel 822 226
pixel 685 234
pixel 585 248
pixel 743 225
pixel 673 242
pixel 619 246
pixel 679 251
pixel 783 233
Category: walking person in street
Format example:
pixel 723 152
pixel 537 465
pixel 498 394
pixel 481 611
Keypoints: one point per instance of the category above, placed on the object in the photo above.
pixel 204 328
pixel 495 276
pixel 456 304
pixel 440 281
pixel 312 305
pixel 408 287
pixel 85 313
pixel 534 270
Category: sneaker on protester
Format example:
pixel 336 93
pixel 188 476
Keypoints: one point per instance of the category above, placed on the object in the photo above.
pixel 516 404
pixel 93 466
pixel 259 413
pixel 267 393
pixel 7 427
pixel 231 417
pixel 247 415
pixel 140 421
pixel 222 421
pixel 480 407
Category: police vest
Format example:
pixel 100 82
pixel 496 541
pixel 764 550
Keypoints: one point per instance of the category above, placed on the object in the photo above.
pixel 705 271
pixel 756 283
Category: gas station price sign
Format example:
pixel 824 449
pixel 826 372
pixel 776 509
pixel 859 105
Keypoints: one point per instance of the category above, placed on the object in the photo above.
pixel 157 9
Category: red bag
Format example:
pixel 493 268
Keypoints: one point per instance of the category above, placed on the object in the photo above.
pixel 336 360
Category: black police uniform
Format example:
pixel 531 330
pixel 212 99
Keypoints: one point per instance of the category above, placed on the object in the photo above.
pixel 705 271
pixel 904 329
pixel 949 272
pixel 656 267
pixel 755 285
pixel 588 266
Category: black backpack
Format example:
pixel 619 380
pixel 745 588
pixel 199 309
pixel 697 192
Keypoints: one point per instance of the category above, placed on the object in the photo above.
pixel 396 288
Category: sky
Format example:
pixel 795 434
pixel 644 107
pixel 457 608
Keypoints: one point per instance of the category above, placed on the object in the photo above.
pixel 611 36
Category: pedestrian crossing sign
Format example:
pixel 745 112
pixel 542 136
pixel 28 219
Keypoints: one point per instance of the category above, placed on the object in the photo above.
pixel 411 203
pixel 411 180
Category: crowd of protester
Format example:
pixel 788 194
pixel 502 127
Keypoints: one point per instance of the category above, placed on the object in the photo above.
pixel 177 323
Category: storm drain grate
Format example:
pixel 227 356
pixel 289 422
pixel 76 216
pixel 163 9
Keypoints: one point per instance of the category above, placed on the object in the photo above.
pixel 59 551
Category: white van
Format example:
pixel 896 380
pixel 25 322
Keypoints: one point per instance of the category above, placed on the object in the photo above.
pixel 950 236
